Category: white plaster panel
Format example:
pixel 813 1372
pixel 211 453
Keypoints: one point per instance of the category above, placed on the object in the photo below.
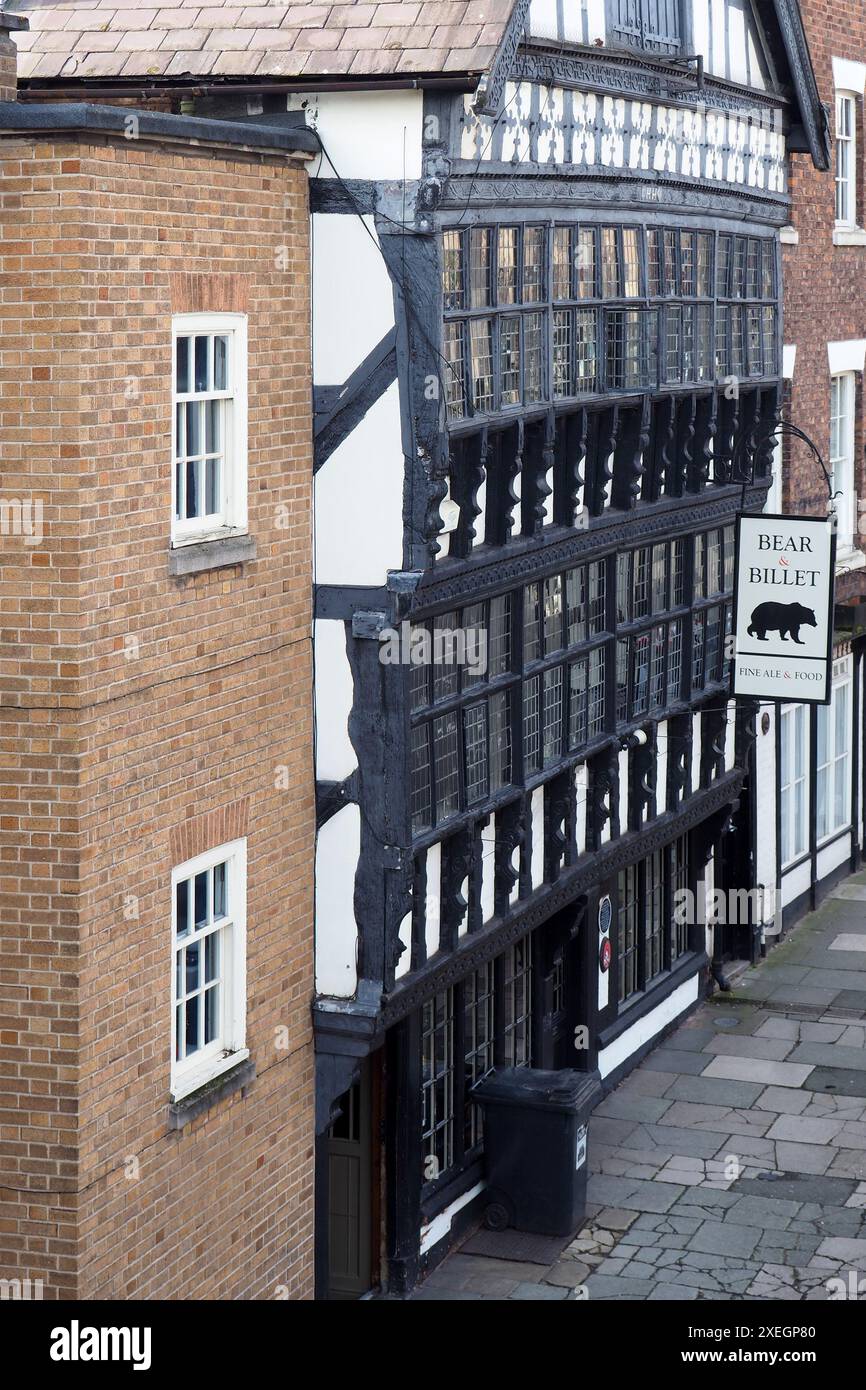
pixel 353 302
pixel 404 931
pixel 369 135
pixel 623 790
pixel 359 500
pixel 488 869
pixel 730 735
pixel 596 21
pixel 789 361
pixel 537 861
pixel 647 1027
pixel 335 756
pixel 796 882
pixel 581 789
pixel 833 855
pixel 338 846
pixel 662 768
pixel 433 904
pixel 542 19
pixel 696 752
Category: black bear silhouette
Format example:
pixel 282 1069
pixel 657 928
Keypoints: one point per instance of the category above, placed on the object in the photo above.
pixel 784 618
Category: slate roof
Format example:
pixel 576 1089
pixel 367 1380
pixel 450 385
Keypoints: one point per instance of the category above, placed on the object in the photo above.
pixel 178 38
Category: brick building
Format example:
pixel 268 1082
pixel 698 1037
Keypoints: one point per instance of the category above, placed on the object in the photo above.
pixel 815 798
pixel 156 1103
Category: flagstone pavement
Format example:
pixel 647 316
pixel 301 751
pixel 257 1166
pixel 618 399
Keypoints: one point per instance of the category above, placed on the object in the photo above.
pixel 731 1164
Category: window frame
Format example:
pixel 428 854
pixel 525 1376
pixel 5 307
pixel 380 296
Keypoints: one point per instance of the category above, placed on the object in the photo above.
pixel 645 920
pixel 229 1047
pixel 603 325
pixel 836 764
pixel 843 462
pixel 232 517
pixel 788 720
pixel 846 207
pixel 512 1041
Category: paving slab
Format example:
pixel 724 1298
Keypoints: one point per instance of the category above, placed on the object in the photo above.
pixel 732 1045
pixel 724 1238
pixel 803 1131
pixel 712 1090
pixel 757 1069
pixel 680 1063
pixel 783 1100
pixel 830 1055
pixel 837 1081
pixel 800 1187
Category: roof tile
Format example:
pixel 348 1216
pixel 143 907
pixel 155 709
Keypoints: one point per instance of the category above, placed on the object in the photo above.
pixel 274 38
pixel 141 39
pixel 146 64
pixel 228 39
pixel 396 13
pixel 264 16
pixel 352 16
pixel 128 19
pixel 120 38
pixel 178 18
pixel 197 63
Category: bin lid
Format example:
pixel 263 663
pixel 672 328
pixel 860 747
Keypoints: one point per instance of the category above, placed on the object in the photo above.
pixel 529 1086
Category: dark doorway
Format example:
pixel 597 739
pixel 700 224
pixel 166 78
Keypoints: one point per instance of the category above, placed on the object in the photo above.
pixel 350 1193
pixel 735 936
pixel 561 1003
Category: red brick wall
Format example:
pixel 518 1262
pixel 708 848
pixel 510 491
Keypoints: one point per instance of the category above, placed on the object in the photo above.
pixel 139 712
pixel 825 285
pixel 8 64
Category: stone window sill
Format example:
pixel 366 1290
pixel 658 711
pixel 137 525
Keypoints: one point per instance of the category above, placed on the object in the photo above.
pixel 850 560
pixel 211 555
pixel 238 1078
pixel 849 236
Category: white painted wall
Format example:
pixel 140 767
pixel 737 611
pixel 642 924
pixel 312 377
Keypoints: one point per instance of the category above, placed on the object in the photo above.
pixel 581 790
pixel 647 1027
pixel 353 302
pixel 338 847
pixel 369 135
pixel 358 496
pixel 696 751
pixel 796 882
pixel 833 855
pixel 433 903
pixel 440 1226
pixel 662 768
pixel 537 860
pixel 335 756
pixel 488 869
pixel 624 806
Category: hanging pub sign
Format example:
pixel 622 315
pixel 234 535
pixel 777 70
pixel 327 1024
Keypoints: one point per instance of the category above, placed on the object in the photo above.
pixel 783 608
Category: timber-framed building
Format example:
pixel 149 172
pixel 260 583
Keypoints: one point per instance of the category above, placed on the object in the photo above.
pixel 547 321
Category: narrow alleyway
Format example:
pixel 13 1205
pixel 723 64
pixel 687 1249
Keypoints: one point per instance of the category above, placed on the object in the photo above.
pixel 732 1163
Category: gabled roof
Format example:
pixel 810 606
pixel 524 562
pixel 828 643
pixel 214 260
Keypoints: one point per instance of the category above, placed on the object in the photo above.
pixel 813 115
pixel 142 39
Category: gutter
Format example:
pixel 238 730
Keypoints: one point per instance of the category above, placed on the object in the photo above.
pixel 464 82
pixel 16 118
